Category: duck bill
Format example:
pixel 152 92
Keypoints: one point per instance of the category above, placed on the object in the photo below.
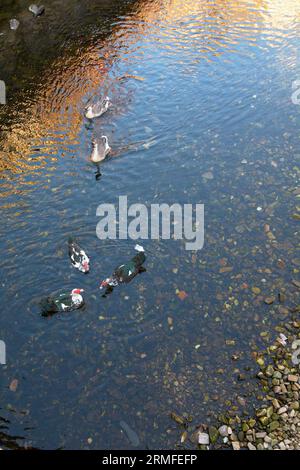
pixel 103 284
pixel 85 267
pixel 77 291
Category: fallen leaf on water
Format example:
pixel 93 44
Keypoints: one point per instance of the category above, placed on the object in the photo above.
pixel 225 269
pixel 13 385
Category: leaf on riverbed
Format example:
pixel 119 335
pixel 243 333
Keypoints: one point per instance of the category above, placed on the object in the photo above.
pixel 225 269
pixel 13 385
pixel 181 294
pixel 184 437
pixel 178 419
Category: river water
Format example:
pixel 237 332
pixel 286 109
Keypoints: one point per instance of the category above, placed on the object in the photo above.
pixel 202 113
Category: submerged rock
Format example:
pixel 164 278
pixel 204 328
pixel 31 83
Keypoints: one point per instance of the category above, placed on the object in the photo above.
pixel 269 300
pixel 208 175
pixel 37 10
pixel 213 434
pixel 223 430
pixel 203 438
pixel 14 24
pixel 130 433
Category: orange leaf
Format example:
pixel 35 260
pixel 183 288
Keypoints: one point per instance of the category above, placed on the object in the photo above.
pixel 181 294
pixel 13 385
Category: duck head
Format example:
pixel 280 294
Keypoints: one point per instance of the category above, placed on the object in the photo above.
pixel 105 283
pixel 109 282
pixel 106 102
pixel 77 291
pixel 85 266
pixel 89 112
pixel 104 140
pixel 94 143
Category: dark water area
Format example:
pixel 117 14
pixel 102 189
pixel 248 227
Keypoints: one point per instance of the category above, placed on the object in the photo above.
pixel 202 113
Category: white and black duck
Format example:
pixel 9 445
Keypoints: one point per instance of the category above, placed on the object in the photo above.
pixel 97 109
pixel 78 256
pixel 126 272
pixel 62 302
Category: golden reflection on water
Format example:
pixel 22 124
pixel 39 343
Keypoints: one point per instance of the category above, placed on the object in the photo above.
pixel 54 118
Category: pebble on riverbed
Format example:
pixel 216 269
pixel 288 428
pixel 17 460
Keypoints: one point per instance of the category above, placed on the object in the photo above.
pixel 14 24
pixel 276 424
pixel 203 438
pixel 37 10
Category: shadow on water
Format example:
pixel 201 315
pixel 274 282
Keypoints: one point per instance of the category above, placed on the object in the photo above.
pixel 202 113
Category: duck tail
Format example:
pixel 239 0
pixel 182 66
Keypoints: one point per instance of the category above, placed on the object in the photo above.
pixel 47 306
pixel 70 240
pixel 139 248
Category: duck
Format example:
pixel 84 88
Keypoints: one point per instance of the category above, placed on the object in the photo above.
pixel 97 109
pixel 100 149
pixel 78 256
pixel 62 302
pixel 126 272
